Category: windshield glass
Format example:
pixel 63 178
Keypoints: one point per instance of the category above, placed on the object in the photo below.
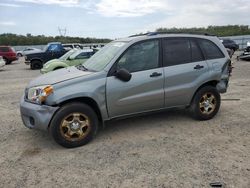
pixel 45 48
pixel 102 58
pixel 69 53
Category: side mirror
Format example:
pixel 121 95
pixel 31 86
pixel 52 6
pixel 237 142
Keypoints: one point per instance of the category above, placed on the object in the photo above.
pixel 123 75
pixel 70 58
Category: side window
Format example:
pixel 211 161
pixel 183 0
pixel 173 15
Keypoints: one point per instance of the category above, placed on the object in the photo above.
pixel 210 50
pixel 4 49
pixel 82 55
pixel 196 52
pixel 176 51
pixel 54 48
pixel 141 56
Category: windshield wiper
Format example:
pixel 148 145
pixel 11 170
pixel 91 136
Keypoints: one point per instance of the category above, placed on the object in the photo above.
pixel 81 67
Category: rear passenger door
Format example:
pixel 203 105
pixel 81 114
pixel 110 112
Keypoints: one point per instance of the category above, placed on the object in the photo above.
pixel 184 68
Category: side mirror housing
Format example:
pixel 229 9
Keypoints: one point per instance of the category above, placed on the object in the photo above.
pixel 70 58
pixel 123 75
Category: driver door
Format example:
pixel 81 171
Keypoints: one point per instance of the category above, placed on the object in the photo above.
pixel 144 91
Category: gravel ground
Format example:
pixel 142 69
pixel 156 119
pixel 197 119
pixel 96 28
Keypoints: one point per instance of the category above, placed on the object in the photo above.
pixel 167 149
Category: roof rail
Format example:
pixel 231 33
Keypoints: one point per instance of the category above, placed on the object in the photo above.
pixel 137 35
pixel 166 32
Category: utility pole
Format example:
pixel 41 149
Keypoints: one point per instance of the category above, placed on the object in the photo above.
pixel 62 31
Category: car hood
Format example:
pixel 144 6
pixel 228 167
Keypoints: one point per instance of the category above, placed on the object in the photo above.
pixel 34 54
pixel 57 76
pixel 32 51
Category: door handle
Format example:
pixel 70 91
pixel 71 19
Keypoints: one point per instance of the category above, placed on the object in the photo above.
pixel 198 67
pixel 155 74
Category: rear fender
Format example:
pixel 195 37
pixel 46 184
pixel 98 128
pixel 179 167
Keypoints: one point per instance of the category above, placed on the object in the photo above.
pixel 226 71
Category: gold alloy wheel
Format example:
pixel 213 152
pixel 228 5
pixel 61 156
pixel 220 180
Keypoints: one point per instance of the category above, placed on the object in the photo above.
pixel 75 126
pixel 207 103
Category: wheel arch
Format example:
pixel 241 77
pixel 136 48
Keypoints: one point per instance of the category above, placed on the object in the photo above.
pixel 36 59
pixel 58 65
pixel 86 100
pixel 209 83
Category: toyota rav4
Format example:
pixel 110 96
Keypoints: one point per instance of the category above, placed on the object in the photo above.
pixel 130 76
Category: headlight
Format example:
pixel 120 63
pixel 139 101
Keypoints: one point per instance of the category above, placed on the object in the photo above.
pixel 40 93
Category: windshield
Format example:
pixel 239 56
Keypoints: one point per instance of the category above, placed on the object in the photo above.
pixel 102 58
pixel 69 53
pixel 45 47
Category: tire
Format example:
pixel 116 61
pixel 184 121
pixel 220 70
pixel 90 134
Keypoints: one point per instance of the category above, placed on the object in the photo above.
pixel 68 134
pixel 7 62
pixel 36 64
pixel 19 55
pixel 206 103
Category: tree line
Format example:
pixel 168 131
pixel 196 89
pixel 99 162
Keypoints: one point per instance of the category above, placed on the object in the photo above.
pixel 220 31
pixel 16 40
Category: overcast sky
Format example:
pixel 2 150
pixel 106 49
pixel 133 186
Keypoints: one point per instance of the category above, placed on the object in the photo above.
pixel 116 18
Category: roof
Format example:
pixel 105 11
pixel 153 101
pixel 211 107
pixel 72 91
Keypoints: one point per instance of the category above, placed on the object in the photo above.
pixel 161 35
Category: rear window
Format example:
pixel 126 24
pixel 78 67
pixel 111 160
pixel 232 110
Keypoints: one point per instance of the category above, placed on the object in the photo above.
pixel 4 49
pixel 210 50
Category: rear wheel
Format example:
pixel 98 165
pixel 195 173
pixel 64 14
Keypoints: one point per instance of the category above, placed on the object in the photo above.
pixel 36 64
pixel 74 125
pixel 206 103
pixel 7 62
pixel 19 55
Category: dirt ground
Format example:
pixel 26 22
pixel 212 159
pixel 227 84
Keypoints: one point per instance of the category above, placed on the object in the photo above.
pixel 168 149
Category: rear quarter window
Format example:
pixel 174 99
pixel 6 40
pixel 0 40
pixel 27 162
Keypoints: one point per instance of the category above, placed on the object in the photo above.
pixel 210 50
pixel 4 49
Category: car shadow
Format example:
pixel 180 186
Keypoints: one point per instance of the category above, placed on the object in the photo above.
pixel 44 141
pixel 145 121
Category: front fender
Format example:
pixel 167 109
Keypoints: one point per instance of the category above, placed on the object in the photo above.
pixel 95 88
pixel 56 64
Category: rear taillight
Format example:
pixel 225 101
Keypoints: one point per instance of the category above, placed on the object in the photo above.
pixel 230 68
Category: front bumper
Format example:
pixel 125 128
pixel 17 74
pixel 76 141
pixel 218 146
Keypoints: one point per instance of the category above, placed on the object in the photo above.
pixel 36 116
pixel 27 62
pixel 2 63
pixel 43 71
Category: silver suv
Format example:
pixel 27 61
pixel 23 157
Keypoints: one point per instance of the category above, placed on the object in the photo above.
pixel 128 77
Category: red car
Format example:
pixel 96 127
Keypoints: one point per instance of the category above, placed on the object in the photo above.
pixel 8 54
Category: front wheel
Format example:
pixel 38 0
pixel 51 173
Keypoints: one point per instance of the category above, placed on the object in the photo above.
pixel 36 64
pixel 74 125
pixel 7 62
pixel 206 103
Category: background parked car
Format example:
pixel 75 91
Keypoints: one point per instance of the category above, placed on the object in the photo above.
pixel 228 43
pixel 8 54
pixel 2 62
pixel 72 46
pixel 245 55
pixel 27 51
pixel 71 58
pixel 51 51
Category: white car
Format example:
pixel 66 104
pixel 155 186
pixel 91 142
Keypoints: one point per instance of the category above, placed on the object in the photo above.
pixel 248 43
pixel 27 51
pixel 2 62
